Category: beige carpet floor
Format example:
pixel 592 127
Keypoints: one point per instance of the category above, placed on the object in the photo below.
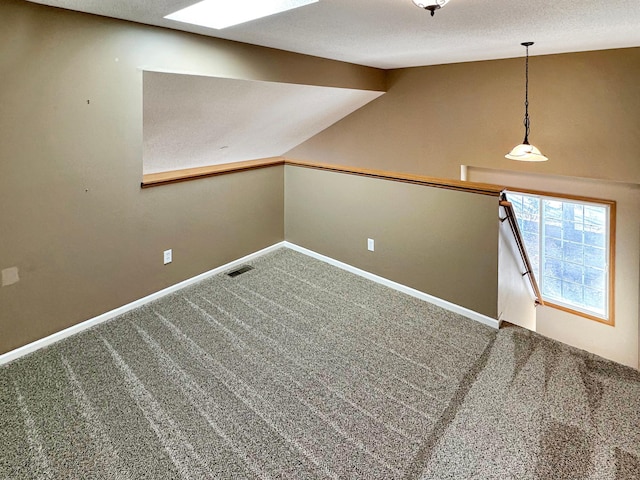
pixel 297 369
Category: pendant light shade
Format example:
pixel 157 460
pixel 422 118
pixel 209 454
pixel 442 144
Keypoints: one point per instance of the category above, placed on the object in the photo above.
pixel 431 5
pixel 525 152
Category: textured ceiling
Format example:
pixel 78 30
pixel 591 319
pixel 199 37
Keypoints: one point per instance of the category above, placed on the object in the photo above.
pixel 395 33
pixel 193 121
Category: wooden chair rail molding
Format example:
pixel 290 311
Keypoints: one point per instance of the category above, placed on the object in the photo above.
pixel 175 176
pixel 481 188
pixel 164 178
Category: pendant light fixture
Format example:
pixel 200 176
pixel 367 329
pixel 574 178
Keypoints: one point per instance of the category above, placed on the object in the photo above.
pixel 431 5
pixel 525 152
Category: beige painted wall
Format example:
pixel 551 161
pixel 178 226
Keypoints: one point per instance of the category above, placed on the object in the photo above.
pixel 73 219
pixel 620 342
pixel 441 242
pixel 585 116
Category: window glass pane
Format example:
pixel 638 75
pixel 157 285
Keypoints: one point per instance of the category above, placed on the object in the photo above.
pixel 572 212
pixel 530 226
pixel 553 229
pixel 516 201
pixel 572 293
pixel 595 300
pixel 572 231
pixel 527 209
pixel 532 244
pixel 531 208
pixel 595 225
pixel 595 278
pixel 553 248
pixel 552 288
pixel 594 257
pixel 572 273
pixel 553 268
pixel 595 215
pixel 595 238
pixel 572 252
pixel 552 210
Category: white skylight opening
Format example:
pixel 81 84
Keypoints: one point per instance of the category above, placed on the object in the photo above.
pixel 221 14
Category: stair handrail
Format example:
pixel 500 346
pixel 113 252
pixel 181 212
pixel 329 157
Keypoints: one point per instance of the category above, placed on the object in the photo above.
pixel 517 234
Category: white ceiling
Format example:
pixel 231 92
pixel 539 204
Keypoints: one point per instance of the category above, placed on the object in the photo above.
pixel 395 33
pixel 193 121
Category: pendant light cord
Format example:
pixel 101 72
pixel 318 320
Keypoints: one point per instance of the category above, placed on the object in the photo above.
pixel 526 99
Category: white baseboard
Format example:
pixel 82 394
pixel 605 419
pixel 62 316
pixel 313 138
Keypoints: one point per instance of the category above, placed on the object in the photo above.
pixel 56 337
pixel 465 312
pixel 67 332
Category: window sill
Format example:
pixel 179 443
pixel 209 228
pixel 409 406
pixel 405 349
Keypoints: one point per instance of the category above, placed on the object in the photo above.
pixel 610 321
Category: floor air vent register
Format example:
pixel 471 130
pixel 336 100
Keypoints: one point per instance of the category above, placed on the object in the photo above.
pixel 239 271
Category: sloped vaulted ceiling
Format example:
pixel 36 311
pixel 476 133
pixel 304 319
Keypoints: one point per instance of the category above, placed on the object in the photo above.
pixel 193 121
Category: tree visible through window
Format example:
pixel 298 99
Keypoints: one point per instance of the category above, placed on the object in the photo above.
pixel 568 245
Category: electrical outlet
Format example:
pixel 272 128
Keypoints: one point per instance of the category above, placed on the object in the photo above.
pixel 168 256
pixel 370 244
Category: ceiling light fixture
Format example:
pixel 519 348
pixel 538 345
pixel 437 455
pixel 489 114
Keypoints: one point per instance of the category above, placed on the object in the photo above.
pixel 525 152
pixel 432 5
pixel 221 14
